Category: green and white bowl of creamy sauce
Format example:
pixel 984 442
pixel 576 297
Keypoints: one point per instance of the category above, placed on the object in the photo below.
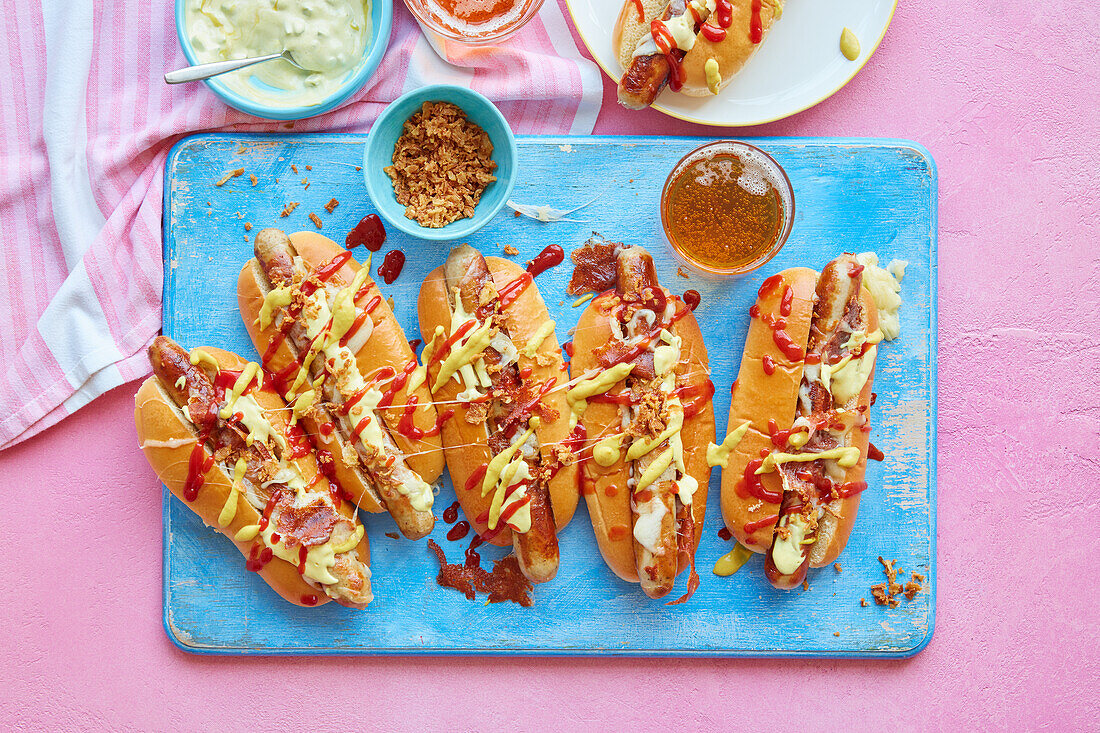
pixel 344 40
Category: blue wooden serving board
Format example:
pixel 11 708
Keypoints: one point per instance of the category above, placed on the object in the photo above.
pixel 852 195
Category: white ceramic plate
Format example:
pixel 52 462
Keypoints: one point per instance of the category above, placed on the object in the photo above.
pixel 798 65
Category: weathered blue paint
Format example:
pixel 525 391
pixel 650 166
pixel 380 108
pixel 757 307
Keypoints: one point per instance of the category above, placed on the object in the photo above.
pixel 851 195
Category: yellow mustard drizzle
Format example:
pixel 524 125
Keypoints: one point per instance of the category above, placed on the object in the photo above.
pixel 247 533
pixel 229 511
pixel 516 471
pixel 675 422
pixel 719 455
pixel 799 439
pixel 343 308
pixel 583 299
pixel 732 561
pixel 198 356
pixel 463 355
pixel 535 343
pixel 251 369
pixel 301 404
pixel 787 553
pixel 577 397
pixel 276 298
pixel 846 457
pixel 502 459
pixel 607 451
pixel 660 465
pixel 714 76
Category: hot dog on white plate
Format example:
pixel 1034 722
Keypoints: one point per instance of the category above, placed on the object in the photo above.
pixel 792 485
pixel 695 47
pixel 217 434
pixel 493 358
pixel 643 396
pixel 342 361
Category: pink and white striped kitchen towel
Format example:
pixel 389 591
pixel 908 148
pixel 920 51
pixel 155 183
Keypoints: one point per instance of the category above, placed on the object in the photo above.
pixel 85 124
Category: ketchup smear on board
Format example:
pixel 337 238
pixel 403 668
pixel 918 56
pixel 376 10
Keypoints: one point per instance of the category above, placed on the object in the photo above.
pixel 391 266
pixel 552 256
pixel 369 232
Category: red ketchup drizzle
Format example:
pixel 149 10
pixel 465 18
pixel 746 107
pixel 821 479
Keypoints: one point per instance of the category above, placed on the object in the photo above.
pixel 666 44
pixel 813 358
pixel 874 453
pixel 450 342
pixel 769 285
pixel 575 442
pixel 474 482
pixel 459 531
pixel 303 553
pixel 750 484
pixel 783 340
pixel 692 297
pixel 275 537
pixel 473 559
pixel 369 232
pixel 450 514
pixel 625 397
pixel 552 256
pixel 568 346
pixel 258 558
pixel 396 384
pixel 641 11
pixel 754 311
pixel 712 33
pixel 751 527
pixel 197 466
pixel 780 438
pixel 724 534
pixel 271 502
pixel 309 600
pixel 325 272
pixel 704 391
pixel 440 419
pixel 756 24
pixel 414 344
pixel 360 319
pixel 695 15
pixel 515 507
pixel 507 294
pixel 405 425
pixel 768 363
pixel 723 11
pixel 391 266
pixel 855 270
pixel 851 488
pixel 786 302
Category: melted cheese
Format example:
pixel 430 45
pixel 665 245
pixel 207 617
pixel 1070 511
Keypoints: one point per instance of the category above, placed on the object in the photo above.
pixel 681 28
pixel 846 379
pixel 884 284
pixel 647 525
pixel 251 369
pixel 719 455
pixel 787 553
pixel 255 419
pixel 279 297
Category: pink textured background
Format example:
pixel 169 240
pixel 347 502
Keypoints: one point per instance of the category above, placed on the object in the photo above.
pixel 1005 96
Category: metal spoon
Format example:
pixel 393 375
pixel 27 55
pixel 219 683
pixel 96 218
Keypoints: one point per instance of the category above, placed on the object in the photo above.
pixel 205 71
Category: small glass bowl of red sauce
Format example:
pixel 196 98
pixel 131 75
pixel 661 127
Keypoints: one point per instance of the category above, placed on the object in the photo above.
pixel 727 208
pixel 473 22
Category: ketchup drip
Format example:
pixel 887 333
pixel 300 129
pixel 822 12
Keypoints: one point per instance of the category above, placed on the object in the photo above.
pixel 666 44
pixel 450 514
pixel 405 425
pixel 723 11
pixel 440 419
pixel 509 292
pixel 768 364
pixel 704 391
pixel 855 270
pixel 258 557
pixel 414 344
pixel 474 482
pixel 750 484
pixel 786 302
pixel 751 527
pixel 369 232
pixel 442 351
pixel 552 256
pixel 568 347
pixel 459 531
pixel 309 600
pixel 874 453
pixel 641 11
pixel 769 285
pixel 268 508
pixel 724 534
pixel 303 553
pixel 712 33
pixel 692 298
pixel 396 384
pixel 473 559
pixel 197 466
pixel 391 266
pixel 756 24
